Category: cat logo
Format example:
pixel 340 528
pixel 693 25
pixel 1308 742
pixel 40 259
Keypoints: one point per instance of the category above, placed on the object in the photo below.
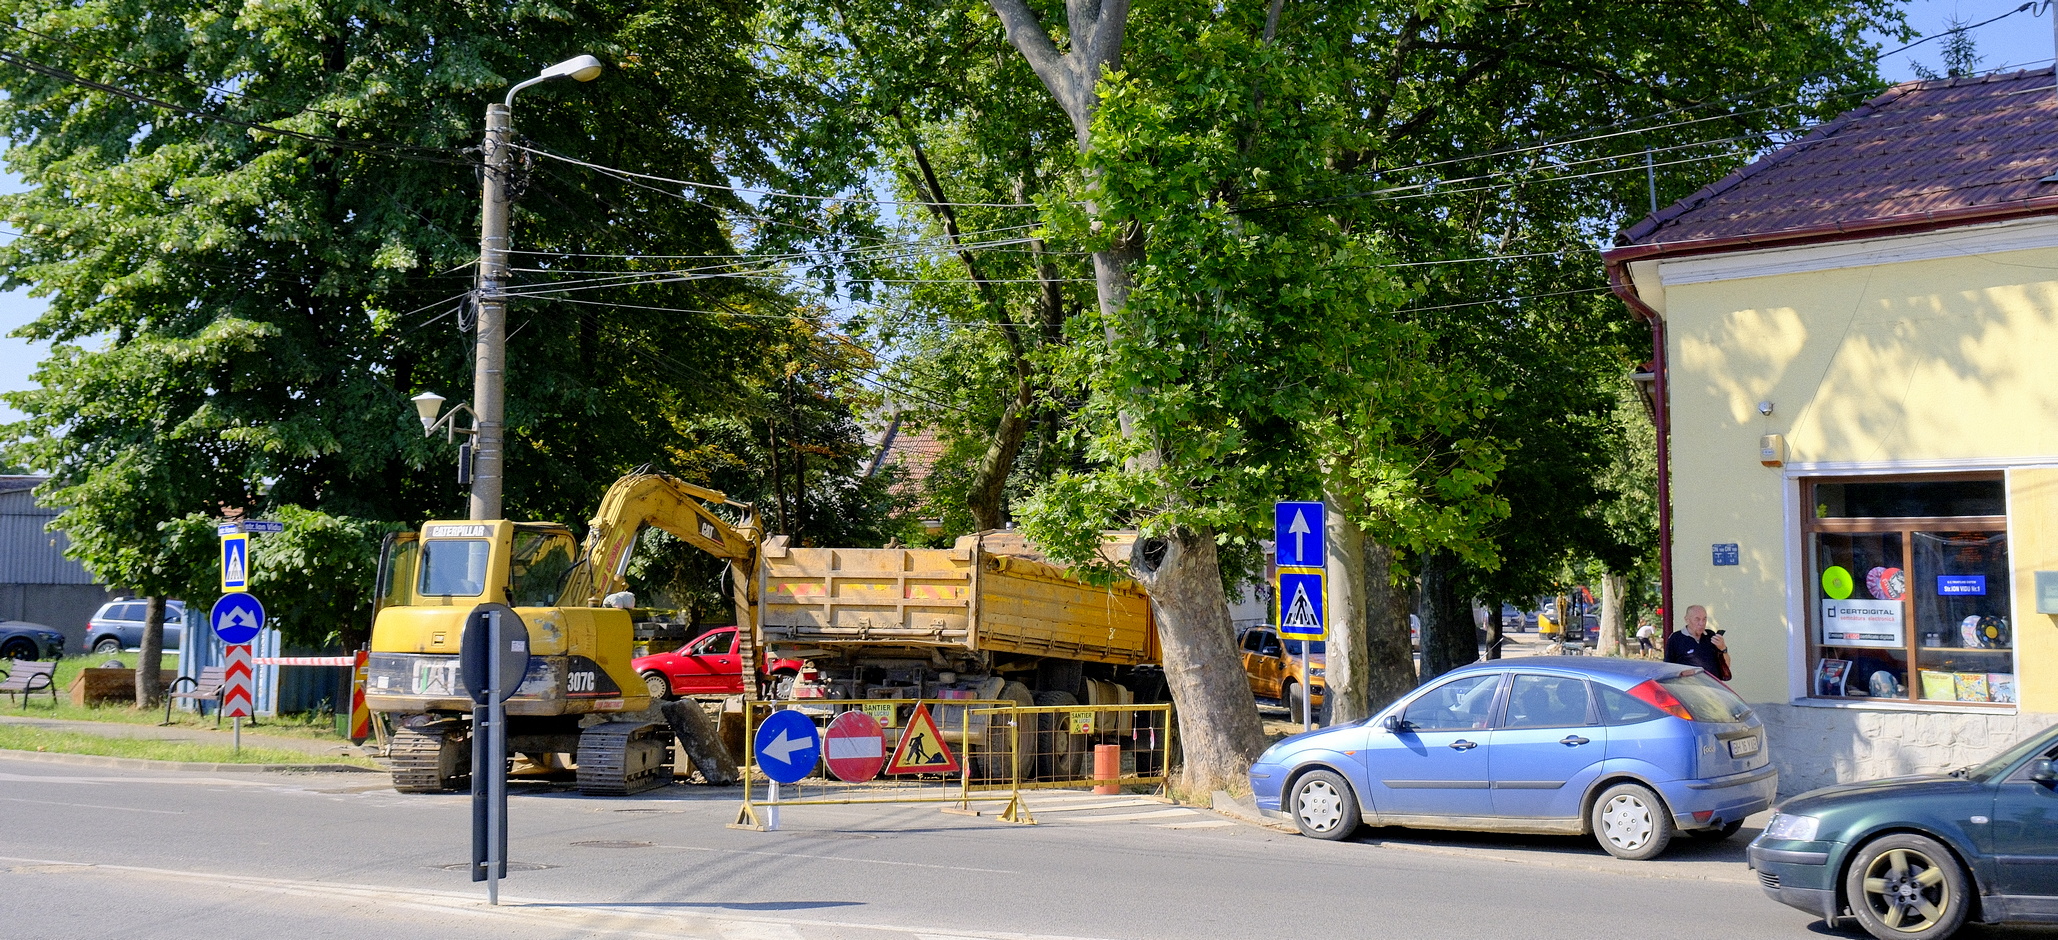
pixel 921 749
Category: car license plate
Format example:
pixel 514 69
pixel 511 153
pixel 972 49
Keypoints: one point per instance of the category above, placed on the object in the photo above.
pixel 1744 747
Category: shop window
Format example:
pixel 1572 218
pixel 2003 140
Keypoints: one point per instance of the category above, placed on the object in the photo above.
pixel 1909 593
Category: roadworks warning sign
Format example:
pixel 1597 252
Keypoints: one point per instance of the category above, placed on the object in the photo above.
pixel 921 749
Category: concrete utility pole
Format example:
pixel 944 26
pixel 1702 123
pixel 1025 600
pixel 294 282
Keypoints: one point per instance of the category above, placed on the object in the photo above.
pixel 489 359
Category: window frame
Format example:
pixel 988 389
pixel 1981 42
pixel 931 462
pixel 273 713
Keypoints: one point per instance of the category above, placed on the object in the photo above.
pixel 1906 527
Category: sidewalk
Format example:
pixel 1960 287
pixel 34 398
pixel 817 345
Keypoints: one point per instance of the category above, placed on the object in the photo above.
pixel 252 737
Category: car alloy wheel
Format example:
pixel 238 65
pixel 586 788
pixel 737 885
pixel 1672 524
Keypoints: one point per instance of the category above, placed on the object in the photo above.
pixel 1631 822
pixel 1905 887
pixel 658 687
pixel 1323 806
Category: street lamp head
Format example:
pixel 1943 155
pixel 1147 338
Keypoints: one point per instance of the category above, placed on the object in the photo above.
pixel 583 68
pixel 427 404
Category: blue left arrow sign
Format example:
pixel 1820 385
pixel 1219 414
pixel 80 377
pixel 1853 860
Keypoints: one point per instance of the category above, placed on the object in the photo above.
pixel 788 746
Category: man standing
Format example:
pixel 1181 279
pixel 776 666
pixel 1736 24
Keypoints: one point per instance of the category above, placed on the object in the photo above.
pixel 1695 646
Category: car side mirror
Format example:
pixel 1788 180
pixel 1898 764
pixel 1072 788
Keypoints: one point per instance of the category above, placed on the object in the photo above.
pixel 2044 772
pixel 1396 724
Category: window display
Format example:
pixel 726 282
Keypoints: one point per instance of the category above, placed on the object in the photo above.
pixel 1910 587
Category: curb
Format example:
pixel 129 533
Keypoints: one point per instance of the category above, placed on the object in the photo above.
pixel 135 763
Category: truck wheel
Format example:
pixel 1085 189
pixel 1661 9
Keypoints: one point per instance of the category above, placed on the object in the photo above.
pixel 1058 750
pixel 659 688
pixel 999 739
pixel 1291 695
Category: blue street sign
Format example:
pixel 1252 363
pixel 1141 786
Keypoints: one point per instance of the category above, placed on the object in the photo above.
pixel 1301 612
pixel 235 562
pixel 1297 535
pixel 263 525
pixel 787 746
pixel 237 618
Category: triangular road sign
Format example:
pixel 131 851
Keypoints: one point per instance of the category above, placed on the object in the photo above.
pixel 921 749
pixel 1301 611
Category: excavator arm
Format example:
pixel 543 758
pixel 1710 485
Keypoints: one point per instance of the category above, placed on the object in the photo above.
pixel 647 498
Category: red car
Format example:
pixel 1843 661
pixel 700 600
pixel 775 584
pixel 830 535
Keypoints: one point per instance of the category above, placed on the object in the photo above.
pixel 709 665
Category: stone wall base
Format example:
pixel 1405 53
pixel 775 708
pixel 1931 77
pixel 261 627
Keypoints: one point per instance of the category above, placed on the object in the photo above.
pixel 1815 747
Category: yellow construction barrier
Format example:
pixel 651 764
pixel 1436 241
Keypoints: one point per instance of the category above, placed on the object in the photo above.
pixel 993 751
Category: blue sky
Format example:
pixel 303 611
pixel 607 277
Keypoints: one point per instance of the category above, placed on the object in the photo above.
pixel 2017 41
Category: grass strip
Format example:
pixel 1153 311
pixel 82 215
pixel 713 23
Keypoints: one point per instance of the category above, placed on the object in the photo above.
pixel 24 738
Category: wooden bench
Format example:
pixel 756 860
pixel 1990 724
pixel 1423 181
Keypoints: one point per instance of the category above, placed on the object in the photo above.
pixel 209 687
pixel 25 678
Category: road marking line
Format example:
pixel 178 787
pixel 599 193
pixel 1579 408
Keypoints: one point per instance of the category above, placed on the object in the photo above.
pixel 1037 805
pixel 1125 817
pixel 127 809
pixel 1203 824
pixel 666 925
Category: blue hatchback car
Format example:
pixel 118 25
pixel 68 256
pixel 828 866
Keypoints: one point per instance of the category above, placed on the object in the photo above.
pixel 1630 751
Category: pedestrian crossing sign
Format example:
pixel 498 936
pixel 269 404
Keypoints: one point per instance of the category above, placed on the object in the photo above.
pixel 236 562
pixel 1301 612
pixel 921 749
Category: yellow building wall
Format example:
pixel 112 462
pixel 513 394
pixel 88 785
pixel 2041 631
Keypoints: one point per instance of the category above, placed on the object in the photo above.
pixel 1921 364
pixel 2033 546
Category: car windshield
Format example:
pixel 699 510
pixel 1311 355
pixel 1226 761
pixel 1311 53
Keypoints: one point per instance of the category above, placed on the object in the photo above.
pixel 1993 768
pixel 1705 698
pixel 1293 647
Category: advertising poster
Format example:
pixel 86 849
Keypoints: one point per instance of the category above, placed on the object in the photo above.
pixel 1854 623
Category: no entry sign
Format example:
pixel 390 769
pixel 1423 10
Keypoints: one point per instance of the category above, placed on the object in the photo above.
pixel 857 747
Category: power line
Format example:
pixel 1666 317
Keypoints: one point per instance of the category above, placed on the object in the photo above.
pixel 771 193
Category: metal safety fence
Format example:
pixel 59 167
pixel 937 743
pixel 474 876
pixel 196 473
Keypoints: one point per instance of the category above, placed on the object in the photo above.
pixel 957 753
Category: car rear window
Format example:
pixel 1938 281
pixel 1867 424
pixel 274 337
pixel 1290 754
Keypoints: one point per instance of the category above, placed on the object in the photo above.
pixel 1621 708
pixel 126 612
pixel 1705 698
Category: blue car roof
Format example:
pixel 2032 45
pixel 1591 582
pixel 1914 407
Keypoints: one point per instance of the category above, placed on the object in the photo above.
pixel 1622 672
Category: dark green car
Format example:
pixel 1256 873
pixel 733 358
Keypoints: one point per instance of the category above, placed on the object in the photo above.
pixel 1912 858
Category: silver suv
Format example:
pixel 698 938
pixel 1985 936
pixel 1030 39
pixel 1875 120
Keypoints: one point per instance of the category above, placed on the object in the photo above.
pixel 119 625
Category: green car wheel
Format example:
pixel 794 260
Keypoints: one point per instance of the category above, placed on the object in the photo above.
pixel 1906 887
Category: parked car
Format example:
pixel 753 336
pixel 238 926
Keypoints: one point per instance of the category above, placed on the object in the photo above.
pixel 20 639
pixel 1913 858
pixel 707 665
pixel 1629 751
pixel 1272 666
pixel 119 625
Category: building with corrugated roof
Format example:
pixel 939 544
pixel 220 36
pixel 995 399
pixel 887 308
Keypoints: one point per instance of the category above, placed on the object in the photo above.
pixel 37 583
pixel 1858 426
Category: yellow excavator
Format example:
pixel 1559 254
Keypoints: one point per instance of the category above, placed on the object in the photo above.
pixel 579 691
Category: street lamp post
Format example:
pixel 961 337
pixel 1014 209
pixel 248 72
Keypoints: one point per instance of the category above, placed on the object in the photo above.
pixel 489 361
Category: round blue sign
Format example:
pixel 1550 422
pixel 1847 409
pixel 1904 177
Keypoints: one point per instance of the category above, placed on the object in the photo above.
pixel 787 746
pixel 237 618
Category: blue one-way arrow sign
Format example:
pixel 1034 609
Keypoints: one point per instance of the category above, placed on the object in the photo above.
pixel 1297 534
pixel 788 746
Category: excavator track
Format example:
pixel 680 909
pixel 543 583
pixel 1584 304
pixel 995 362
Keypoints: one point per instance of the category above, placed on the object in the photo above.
pixel 428 761
pixel 623 757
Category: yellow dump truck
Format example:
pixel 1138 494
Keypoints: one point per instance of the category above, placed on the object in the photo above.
pixel 987 616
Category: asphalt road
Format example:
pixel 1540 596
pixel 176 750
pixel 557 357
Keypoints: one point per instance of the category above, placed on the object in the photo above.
pixel 90 852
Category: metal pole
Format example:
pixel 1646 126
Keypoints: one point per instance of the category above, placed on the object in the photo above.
pixel 1307 691
pixel 1651 178
pixel 496 764
pixel 489 370
pixel 237 724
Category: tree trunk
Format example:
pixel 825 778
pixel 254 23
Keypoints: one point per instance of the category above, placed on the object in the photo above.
pixel 1219 730
pixel 1390 655
pixel 1449 639
pixel 1347 664
pixel 1612 587
pixel 1496 629
pixel 149 681
pixel 990 479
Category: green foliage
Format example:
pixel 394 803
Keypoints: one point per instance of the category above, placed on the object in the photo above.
pixel 238 316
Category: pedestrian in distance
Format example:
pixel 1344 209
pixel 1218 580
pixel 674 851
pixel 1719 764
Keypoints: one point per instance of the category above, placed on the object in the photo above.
pixel 1696 646
pixel 1645 633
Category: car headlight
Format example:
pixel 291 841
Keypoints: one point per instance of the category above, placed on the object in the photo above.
pixel 1792 828
pixel 1315 671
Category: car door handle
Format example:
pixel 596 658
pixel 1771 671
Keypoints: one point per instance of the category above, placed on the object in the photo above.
pixel 1462 745
pixel 1573 740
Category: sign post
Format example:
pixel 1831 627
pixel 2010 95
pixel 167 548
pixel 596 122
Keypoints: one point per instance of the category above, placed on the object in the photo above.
pixel 493 656
pixel 787 747
pixel 1299 531
pixel 236 619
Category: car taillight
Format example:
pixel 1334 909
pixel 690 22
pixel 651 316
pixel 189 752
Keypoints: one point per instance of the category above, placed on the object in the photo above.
pixel 1654 695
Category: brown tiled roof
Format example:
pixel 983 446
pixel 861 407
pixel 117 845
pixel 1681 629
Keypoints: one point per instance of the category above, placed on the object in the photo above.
pixel 1920 155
